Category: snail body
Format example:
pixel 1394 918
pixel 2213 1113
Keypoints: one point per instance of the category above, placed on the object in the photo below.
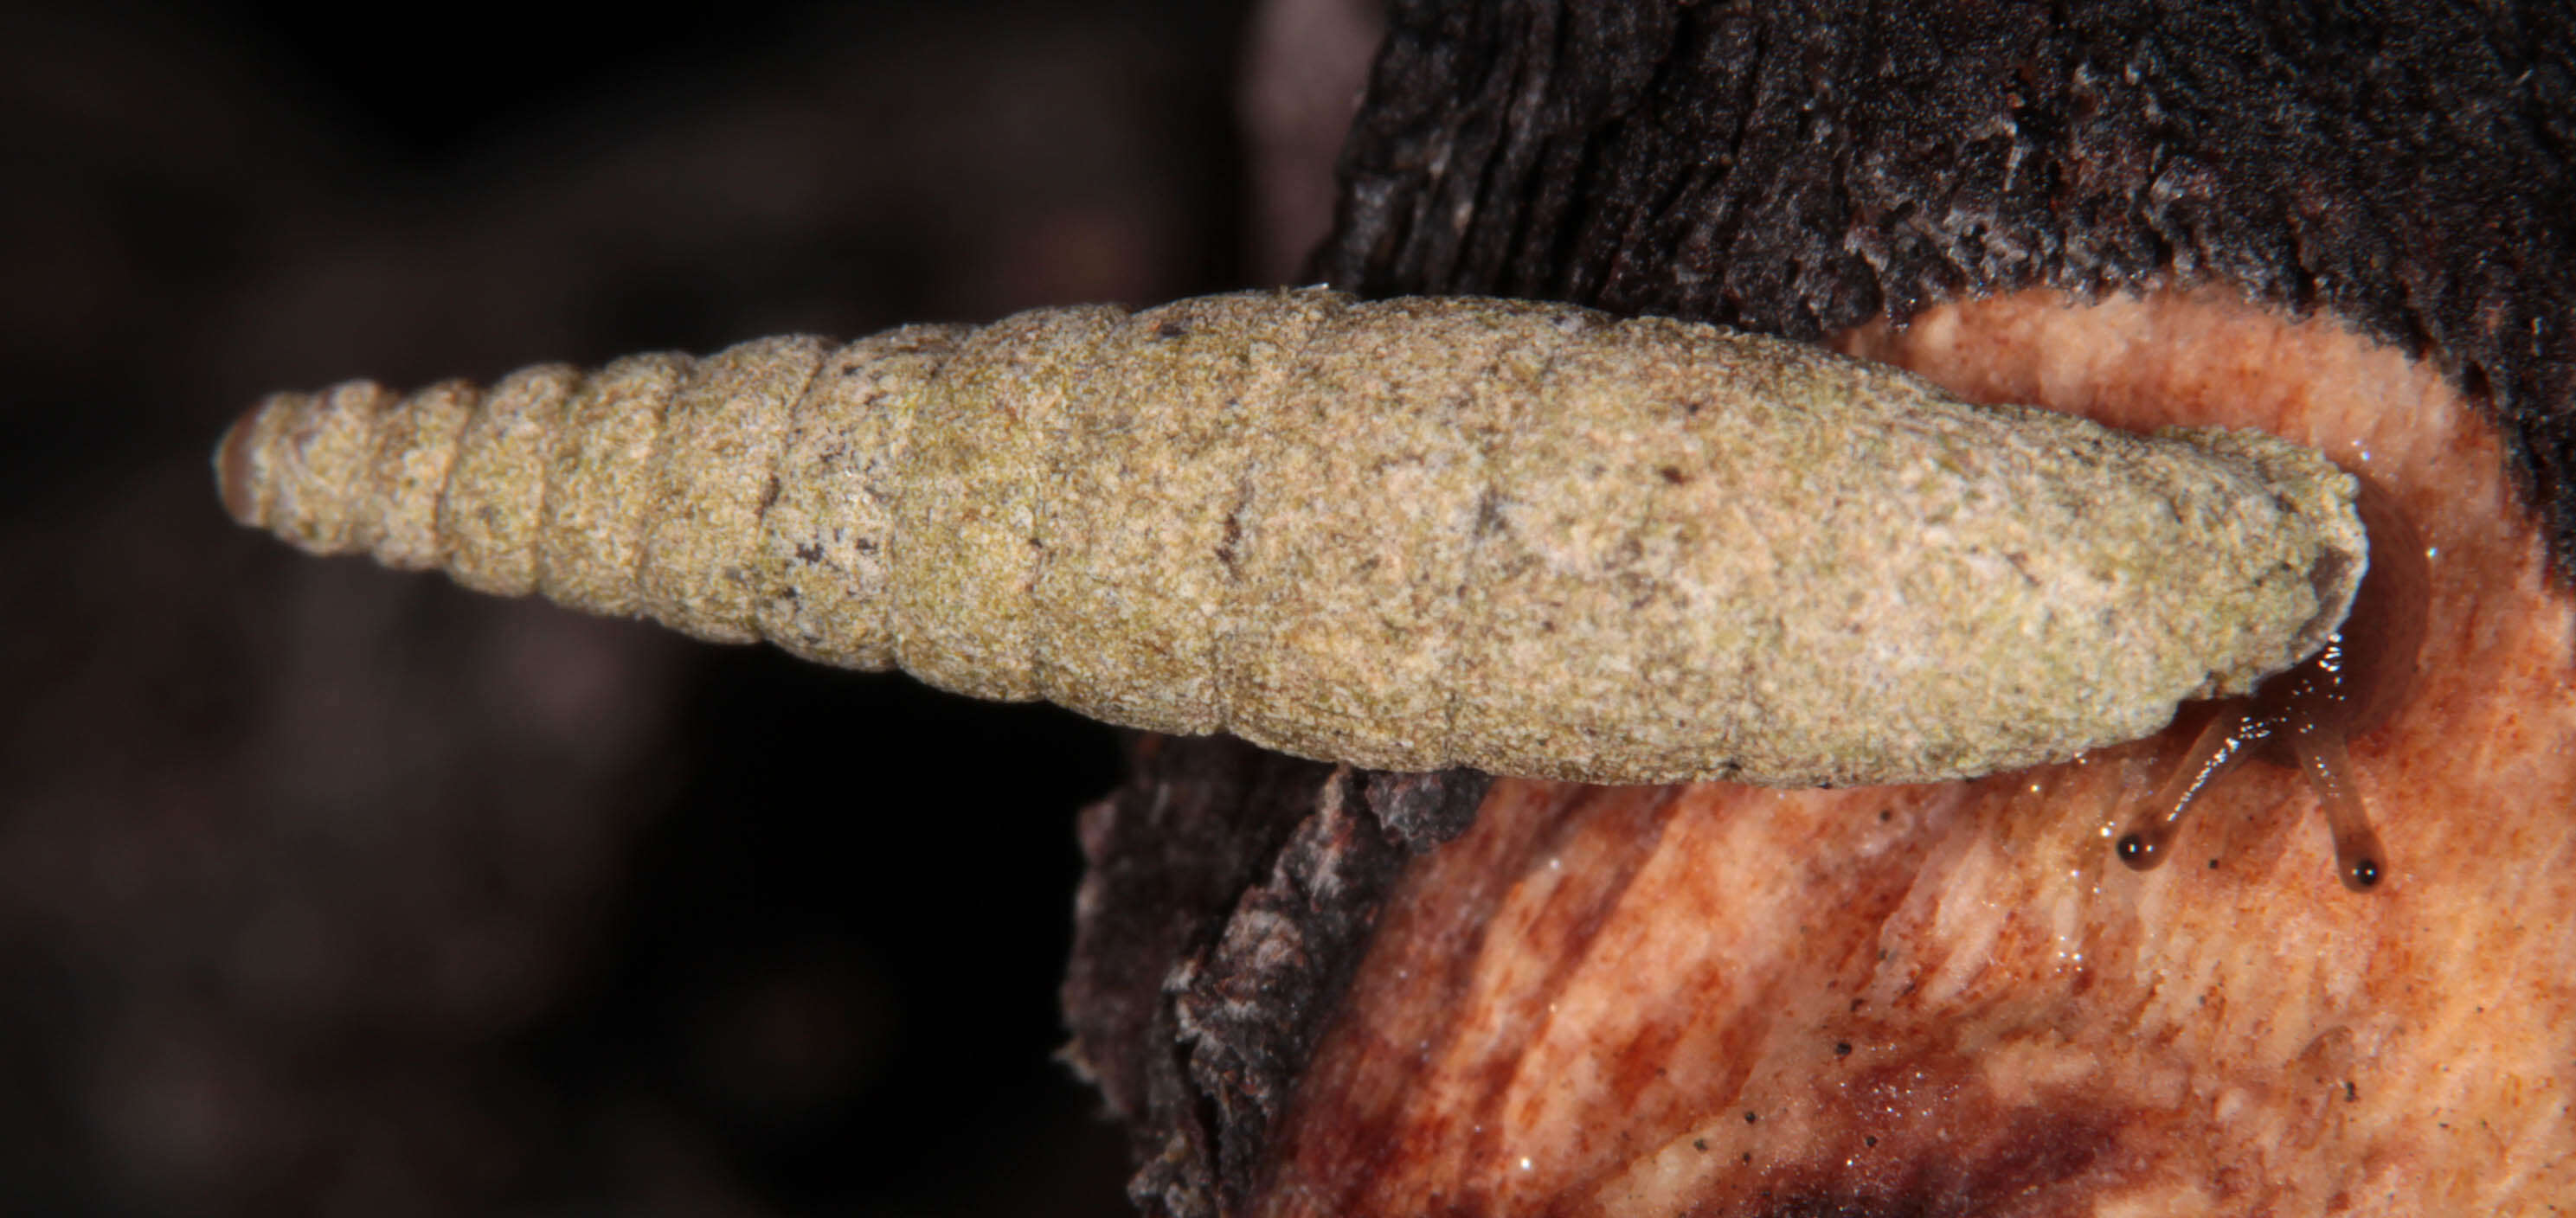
pixel 1411 534
pixel 2306 715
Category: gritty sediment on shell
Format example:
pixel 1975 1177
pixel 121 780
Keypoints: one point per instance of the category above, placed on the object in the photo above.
pixel 966 545
pixel 496 487
pixel 1161 463
pixel 1408 534
pixel 820 572
pixel 713 477
pixel 397 515
pixel 598 484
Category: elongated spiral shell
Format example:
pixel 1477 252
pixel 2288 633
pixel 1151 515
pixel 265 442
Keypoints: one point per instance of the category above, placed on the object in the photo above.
pixel 1411 534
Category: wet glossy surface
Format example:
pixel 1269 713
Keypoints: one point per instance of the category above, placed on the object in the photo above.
pixel 2306 717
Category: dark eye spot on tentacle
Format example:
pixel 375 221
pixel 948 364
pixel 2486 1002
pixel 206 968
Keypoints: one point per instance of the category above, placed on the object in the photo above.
pixel 2306 716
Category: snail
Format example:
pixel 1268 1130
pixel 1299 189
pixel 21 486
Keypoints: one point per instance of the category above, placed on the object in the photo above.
pixel 1411 534
pixel 2304 716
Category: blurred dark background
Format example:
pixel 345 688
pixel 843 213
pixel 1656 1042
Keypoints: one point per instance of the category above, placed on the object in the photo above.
pixel 330 890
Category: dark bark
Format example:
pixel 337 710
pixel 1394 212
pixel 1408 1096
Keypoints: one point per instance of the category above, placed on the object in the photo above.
pixel 1230 893
pixel 1802 169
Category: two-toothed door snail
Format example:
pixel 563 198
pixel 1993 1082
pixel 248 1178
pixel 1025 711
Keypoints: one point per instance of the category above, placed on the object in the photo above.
pixel 1411 534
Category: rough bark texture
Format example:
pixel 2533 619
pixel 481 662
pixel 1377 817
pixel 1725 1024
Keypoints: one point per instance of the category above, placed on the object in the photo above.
pixel 1230 893
pixel 1804 169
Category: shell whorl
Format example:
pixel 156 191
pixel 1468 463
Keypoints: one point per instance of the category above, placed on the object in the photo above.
pixel 638 488
pixel 1406 535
